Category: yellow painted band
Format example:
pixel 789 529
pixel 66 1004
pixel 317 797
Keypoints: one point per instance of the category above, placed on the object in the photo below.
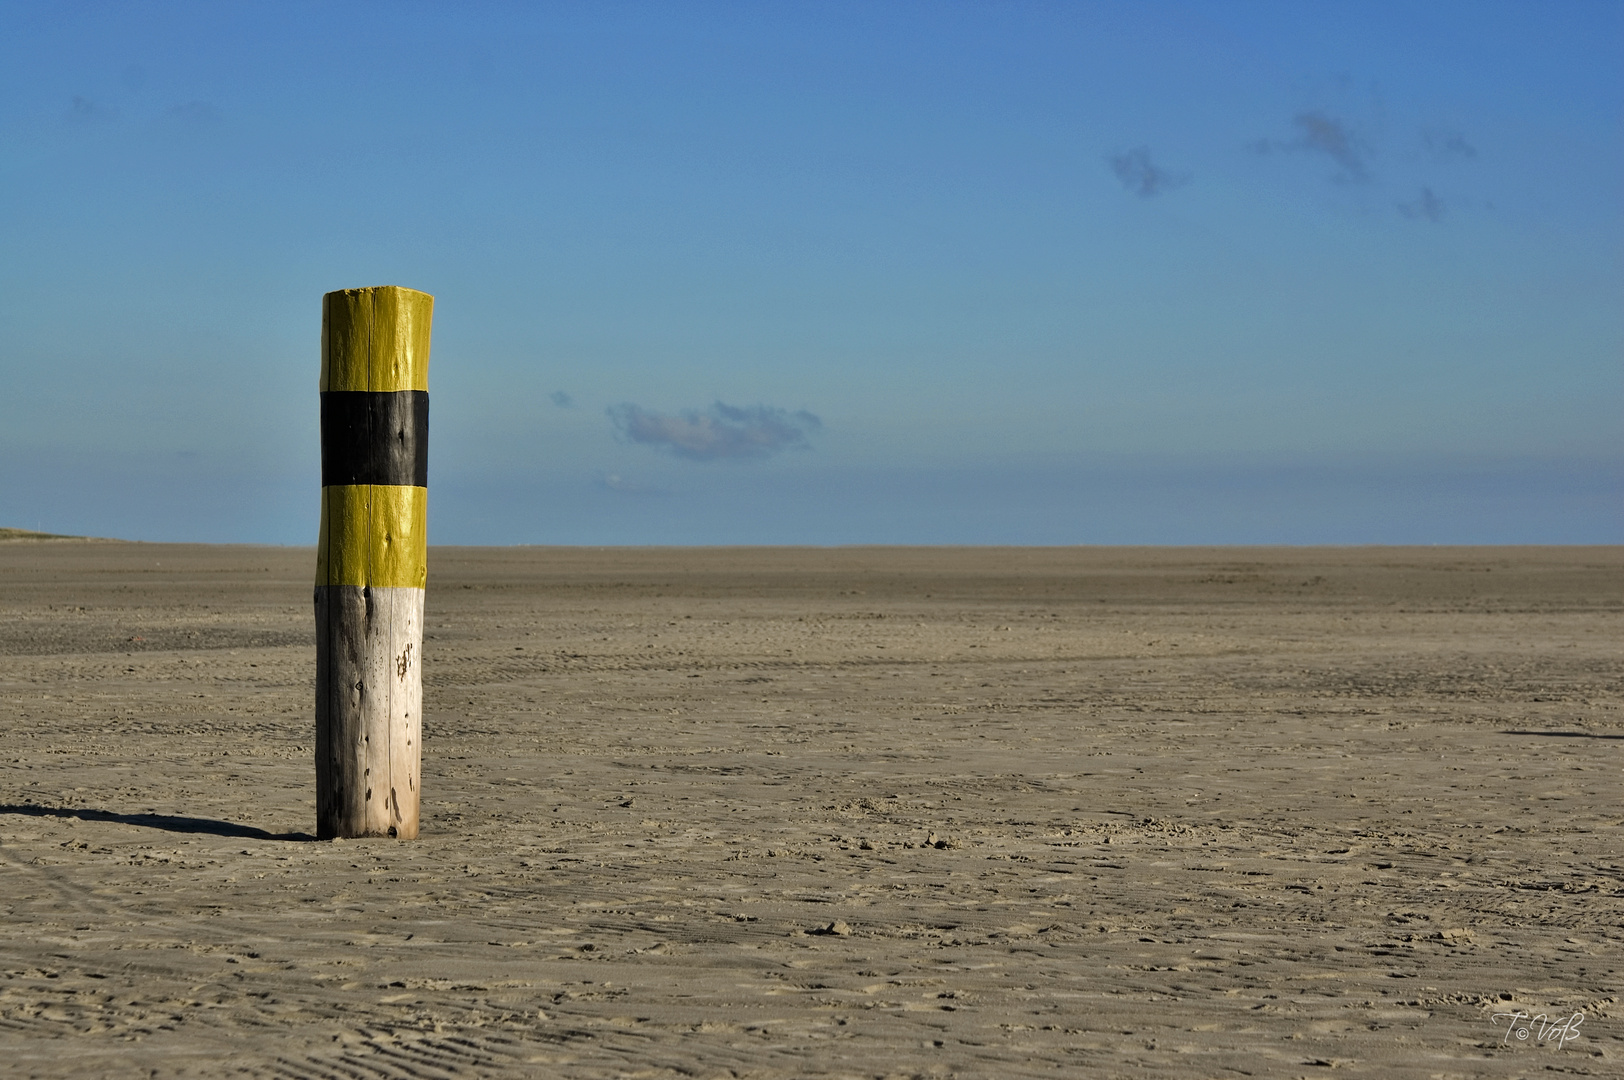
pixel 376 339
pixel 373 535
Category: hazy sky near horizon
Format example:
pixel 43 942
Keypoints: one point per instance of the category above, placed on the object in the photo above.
pixel 828 273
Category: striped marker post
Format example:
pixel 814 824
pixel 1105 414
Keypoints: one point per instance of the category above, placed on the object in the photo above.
pixel 371 560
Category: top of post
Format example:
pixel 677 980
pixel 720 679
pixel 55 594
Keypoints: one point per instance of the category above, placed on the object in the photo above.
pixel 375 339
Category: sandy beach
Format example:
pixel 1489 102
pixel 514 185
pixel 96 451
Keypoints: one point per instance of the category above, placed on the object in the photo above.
pixel 867 812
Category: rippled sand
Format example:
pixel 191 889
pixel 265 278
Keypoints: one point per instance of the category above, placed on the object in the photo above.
pixel 861 812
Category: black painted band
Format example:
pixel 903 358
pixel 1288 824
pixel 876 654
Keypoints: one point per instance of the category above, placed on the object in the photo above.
pixel 375 438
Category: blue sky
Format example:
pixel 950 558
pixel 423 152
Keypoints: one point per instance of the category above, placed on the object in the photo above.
pixel 828 273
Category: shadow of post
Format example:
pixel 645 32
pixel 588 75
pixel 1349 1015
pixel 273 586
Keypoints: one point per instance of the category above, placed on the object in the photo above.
pixel 166 822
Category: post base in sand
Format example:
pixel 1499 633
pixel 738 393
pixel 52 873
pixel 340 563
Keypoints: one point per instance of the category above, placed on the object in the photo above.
pixel 369 705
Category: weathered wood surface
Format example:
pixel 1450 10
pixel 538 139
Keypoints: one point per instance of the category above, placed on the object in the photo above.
pixel 369 708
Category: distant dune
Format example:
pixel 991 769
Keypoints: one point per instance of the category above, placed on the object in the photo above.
pixel 30 534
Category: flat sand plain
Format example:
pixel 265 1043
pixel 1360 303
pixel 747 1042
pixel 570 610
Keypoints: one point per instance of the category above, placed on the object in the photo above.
pixel 827 812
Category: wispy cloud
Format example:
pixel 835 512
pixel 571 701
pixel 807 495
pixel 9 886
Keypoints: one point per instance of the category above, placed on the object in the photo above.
pixel 719 433
pixel 1319 133
pixel 1425 206
pixel 83 110
pixel 561 399
pixel 1142 176
pixel 1447 145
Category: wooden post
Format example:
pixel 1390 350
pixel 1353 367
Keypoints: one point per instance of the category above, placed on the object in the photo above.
pixel 371 560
